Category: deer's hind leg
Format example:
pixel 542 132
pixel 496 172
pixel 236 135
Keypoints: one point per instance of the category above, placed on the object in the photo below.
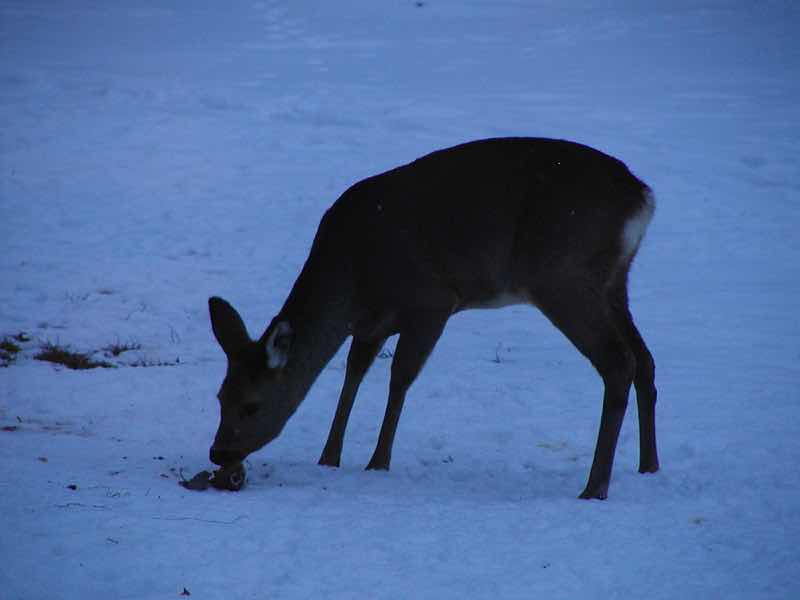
pixel 644 379
pixel 582 313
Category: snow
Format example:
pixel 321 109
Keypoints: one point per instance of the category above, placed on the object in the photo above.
pixel 153 154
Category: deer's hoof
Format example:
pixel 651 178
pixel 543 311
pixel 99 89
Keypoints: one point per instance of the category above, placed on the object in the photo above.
pixel 648 468
pixel 326 461
pixel 377 466
pixel 594 492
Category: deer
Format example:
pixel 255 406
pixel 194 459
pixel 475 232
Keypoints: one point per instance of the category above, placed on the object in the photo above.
pixel 545 222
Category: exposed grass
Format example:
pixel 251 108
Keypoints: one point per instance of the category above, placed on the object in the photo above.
pixel 63 355
pixel 8 351
pixel 8 346
pixel 154 363
pixel 118 348
pixel 72 360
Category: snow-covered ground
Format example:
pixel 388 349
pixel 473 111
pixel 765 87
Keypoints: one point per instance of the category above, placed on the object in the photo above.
pixel 155 153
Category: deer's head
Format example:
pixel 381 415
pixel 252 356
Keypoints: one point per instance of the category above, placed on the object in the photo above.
pixel 254 396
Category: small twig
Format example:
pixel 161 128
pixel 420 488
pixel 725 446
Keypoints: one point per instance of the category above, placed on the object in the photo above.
pixel 213 521
pixel 78 504
pixel 142 308
pixel 497 353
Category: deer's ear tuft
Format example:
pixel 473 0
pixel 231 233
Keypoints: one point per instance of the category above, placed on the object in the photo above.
pixel 279 344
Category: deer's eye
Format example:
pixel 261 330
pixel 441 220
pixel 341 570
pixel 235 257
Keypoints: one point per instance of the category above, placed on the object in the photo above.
pixel 248 410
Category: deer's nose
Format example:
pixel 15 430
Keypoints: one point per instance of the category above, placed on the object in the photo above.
pixel 223 457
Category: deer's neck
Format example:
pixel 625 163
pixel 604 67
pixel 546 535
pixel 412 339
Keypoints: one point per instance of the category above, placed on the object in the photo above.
pixel 319 311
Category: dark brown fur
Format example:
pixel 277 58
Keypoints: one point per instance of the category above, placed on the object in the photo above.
pixel 526 220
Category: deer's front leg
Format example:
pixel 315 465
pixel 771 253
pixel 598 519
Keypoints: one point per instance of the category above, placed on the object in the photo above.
pixel 418 336
pixel 361 356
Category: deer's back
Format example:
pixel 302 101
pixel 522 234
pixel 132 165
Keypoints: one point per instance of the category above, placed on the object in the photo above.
pixel 484 221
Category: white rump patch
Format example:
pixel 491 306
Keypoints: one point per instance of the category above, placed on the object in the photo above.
pixel 634 229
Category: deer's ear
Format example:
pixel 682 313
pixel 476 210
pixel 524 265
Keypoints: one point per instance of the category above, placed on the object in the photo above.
pixel 228 327
pixel 278 344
